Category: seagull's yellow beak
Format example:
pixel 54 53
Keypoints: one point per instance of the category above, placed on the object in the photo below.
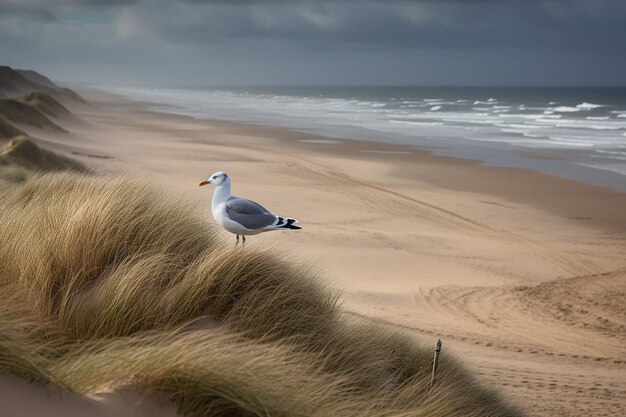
pixel 204 182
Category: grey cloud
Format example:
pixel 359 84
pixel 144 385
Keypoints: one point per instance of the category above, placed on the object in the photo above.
pixel 46 10
pixel 17 10
pixel 426 23
pixel 320 41
pixel 48 4
pixel 418 23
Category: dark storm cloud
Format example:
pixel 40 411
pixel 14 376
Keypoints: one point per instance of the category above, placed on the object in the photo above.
pixel 52 4
pixel 46 10
pixel 20 10
pixel 426 23
pixel 432 41
pixel 420 23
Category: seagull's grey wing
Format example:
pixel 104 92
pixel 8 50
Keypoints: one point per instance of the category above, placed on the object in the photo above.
pixel 249 214
pixel 243 206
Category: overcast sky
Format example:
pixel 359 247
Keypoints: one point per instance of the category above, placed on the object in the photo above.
pixel 397 42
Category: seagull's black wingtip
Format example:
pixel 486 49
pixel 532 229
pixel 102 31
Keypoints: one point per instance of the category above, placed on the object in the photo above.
pixel 291 224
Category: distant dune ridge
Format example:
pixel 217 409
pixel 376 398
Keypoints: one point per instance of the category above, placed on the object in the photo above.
pixel 29 98
pixel 23 152
pixel 8 130
pixel 108 283
pixel 21 112
pixel 19 82
pixel 13 83
pixel 45 103
pixel 37 78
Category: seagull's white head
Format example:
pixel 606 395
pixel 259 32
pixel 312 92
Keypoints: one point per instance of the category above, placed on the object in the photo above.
pixel 217 178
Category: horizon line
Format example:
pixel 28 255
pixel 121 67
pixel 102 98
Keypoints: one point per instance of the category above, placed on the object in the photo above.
pixel 343 85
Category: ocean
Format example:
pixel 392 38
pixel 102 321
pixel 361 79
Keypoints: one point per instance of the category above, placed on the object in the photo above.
pixel 576 133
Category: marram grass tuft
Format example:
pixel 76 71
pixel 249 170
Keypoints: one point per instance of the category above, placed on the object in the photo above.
pixel 120 284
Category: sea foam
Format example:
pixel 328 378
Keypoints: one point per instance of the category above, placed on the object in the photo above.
pixel 589 106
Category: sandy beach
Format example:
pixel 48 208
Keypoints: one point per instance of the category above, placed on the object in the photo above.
pixel 520 273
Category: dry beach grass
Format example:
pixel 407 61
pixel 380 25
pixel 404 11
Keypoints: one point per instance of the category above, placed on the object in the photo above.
pixel 107 282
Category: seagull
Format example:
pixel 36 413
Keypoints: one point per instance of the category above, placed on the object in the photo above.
pixel 240 216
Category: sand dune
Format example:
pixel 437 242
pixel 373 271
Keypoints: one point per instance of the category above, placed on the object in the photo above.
pixel 21 113
pixel 36 78
pixel 13 83
pixel 25 99
pixel 21 82
pixel 8 130
pixel 24 152
pixel 45 103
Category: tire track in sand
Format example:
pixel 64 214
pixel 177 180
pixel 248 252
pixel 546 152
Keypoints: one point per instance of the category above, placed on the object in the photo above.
pixel 399 204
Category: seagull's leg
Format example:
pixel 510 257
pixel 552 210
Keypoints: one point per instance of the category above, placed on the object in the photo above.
pixel 244 240
pixel 237 241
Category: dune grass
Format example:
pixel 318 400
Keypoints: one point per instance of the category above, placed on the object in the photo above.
pixel 122 284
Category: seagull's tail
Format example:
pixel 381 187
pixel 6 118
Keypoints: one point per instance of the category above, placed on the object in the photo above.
pixel 287 223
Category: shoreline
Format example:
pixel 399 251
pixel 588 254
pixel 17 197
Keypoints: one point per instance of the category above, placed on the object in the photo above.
pixel 573 163
pixel 487 258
